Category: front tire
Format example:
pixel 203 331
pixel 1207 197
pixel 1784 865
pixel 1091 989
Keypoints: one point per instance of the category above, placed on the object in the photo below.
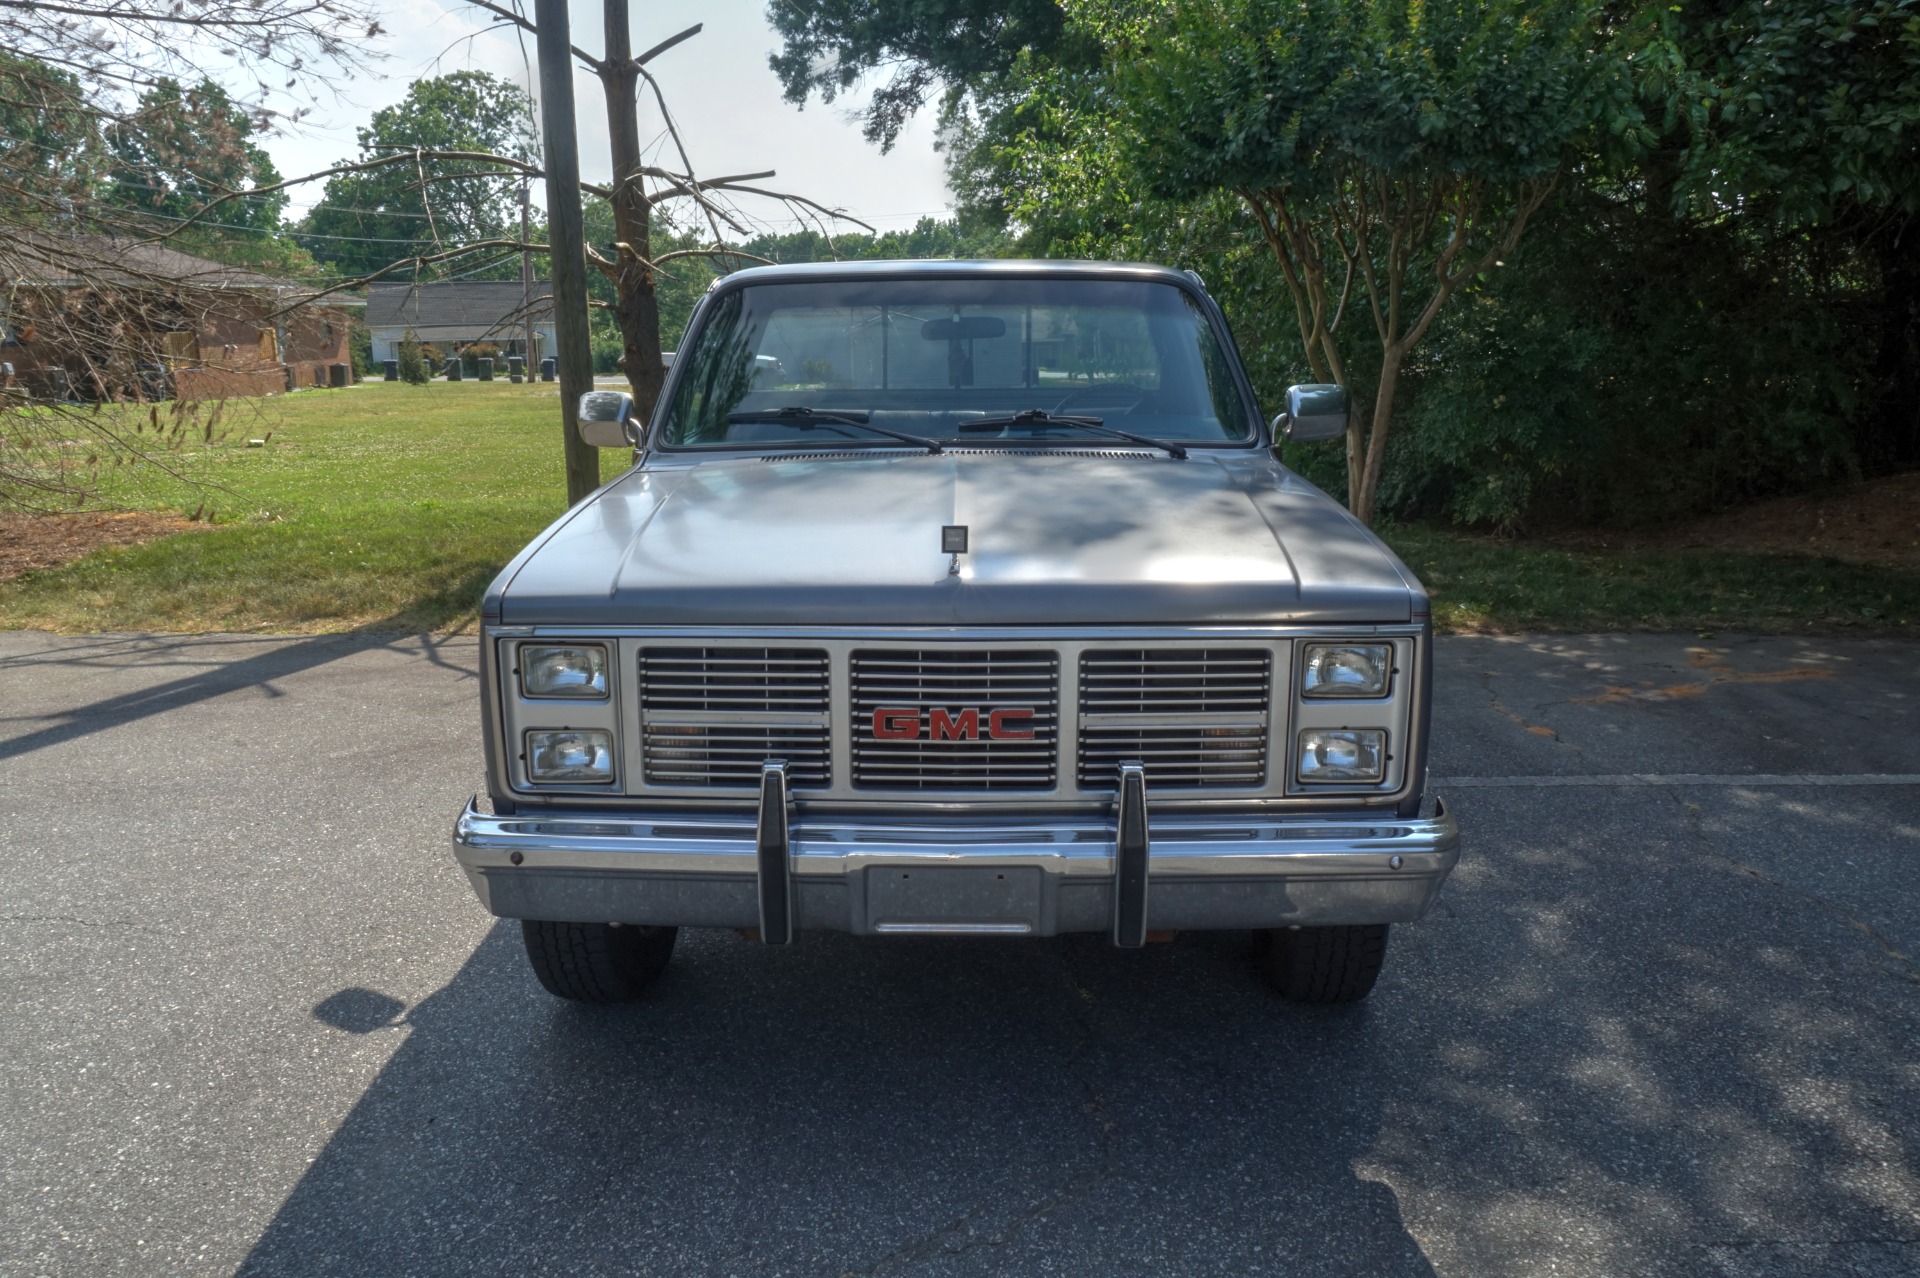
pixel 597 962
pixel 1323 965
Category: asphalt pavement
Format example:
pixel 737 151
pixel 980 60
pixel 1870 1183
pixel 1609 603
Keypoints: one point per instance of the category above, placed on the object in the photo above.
pixel 1663 1020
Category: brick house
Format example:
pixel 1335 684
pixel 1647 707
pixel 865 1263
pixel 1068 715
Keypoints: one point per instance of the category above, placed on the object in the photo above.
pixel 99 318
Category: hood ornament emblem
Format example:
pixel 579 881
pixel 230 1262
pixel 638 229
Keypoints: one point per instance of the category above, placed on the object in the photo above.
pixel 953 541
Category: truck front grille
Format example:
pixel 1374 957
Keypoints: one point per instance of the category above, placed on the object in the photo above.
pixel 732 754
pixel 958 719
pixel 713 716
pixel 1197 718
pixel 758 680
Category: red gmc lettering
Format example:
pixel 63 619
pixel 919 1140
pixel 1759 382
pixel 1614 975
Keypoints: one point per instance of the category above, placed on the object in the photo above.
pixel 896 724
pixel 947 728
pixel 902 723
pixel 997 725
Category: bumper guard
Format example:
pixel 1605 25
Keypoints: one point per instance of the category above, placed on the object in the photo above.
pixel 1034 876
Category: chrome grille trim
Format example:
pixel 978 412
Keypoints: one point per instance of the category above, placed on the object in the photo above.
pixel 1197 718
pixel 512 715
pixel 711 716
pixel 733 754
pixel 954 680
pixel 757 680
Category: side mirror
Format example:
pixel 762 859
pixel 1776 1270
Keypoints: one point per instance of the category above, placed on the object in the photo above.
pixel 606 419
pixel 1315 411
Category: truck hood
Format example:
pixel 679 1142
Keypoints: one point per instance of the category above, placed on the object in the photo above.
pixel 1083 538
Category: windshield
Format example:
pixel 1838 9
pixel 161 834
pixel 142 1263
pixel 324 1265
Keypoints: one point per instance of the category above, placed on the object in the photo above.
pixel 928 356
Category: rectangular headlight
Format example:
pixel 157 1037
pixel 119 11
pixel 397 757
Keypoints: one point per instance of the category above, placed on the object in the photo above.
pixel 570 756
pixel 1347 670
pixel 563 670
pixel 1342 755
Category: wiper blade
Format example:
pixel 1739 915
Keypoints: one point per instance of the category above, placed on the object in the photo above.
pixel 807 418
pixel 1040 418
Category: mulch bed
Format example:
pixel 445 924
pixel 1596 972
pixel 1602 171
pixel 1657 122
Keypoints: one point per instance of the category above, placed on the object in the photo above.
pixel 28 542
pixel 1877 522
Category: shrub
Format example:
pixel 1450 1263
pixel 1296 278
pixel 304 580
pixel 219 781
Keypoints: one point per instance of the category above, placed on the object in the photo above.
pixel 414 367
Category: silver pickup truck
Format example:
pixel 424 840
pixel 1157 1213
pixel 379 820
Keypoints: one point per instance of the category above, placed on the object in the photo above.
pixel 956 598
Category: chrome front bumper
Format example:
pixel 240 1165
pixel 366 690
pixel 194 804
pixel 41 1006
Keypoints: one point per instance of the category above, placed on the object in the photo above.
pixel 1034 876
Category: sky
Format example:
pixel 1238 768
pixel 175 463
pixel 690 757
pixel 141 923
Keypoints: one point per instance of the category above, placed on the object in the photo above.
pixel 724 97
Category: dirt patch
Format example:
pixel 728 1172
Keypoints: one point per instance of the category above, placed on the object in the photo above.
pixel 1714 666
pixel 1875 523
pixel 28 542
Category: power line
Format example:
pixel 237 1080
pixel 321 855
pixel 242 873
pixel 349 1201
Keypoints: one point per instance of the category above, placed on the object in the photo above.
pixel 117 180
pixel 291 232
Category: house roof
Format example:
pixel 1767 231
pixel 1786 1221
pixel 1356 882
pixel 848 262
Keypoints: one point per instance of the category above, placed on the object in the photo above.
pixel 80 260
pixel 458 309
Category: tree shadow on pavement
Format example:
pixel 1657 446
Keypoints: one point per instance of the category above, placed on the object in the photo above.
pixel 214 670
pixel 857 1106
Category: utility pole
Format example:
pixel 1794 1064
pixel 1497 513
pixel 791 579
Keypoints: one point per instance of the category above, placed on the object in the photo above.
pixel 529 357
pixel 566 239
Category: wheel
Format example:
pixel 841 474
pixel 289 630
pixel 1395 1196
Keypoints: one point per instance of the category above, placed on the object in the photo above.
pixel 597 962
pixel 1323 964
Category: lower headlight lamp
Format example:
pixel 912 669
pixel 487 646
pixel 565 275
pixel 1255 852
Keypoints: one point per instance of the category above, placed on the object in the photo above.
pixel 570 756
pixel 1346 755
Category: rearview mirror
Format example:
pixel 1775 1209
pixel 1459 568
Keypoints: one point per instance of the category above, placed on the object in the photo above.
pixel 606 419
pixel 1314 411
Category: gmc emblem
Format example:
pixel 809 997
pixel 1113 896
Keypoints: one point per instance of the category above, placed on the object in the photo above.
pixel 902 723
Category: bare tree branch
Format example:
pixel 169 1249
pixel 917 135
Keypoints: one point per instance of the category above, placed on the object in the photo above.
pixel 679 145
pixel 519 20
pixel 711 252
pixel 363 166
pixel 840 215
pixel 640 60
pixel 174 17
pixel 428 259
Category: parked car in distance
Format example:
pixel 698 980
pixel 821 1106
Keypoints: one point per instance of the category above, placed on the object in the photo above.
pixel 957 598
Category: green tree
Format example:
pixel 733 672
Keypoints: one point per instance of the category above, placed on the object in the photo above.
pixel 1391 152
pixel 1804 120
pixel 49 141
pixel 1387 154
pixel 830 46
pixel 1798 112
pixel 371 218
pixel 1720 299
pixel 180 148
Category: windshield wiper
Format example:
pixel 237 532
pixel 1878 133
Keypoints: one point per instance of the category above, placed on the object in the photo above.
pixel 807 418
pixel 1041 418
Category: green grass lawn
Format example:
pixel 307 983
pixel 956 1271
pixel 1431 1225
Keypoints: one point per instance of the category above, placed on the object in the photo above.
pixel 380 506
pixel 389 507
pixel 1481 584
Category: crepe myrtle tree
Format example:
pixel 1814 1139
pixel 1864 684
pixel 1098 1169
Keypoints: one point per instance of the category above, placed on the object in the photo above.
pixel 1391 152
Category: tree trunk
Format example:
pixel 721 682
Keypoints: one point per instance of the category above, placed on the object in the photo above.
pixel 1307 283
pixel 1356 433
pixel 1361 494
pixel 567 251
pixel 637 309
